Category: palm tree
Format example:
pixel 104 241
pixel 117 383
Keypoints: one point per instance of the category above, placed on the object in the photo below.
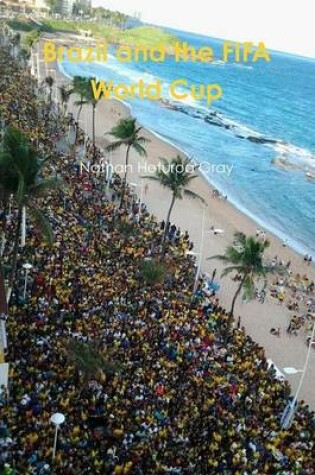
pixel 127 134
pixel 175 175
pixel 20 176
pixel 65 94
pixel 152 272
pixel 246 257
pixel 79 86
pixel 89 98
pixel 88 359
pixel 49 80
pixel 32 38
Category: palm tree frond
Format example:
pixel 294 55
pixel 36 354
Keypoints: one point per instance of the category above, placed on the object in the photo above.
pixel 42 223
pixel 193 195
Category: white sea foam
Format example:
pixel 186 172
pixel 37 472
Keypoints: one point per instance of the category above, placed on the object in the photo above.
pixel 218 62
pixel 122 70
pixel 63 71
pixel 300 157
pixel 240 66
pixel 297 156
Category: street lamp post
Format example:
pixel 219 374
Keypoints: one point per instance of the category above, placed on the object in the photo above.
pixel 27 266
pixel 23 227
pixel 289 412
pixel 57 419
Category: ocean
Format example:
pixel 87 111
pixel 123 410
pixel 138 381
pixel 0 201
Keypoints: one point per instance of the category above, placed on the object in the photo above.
pixel 263 126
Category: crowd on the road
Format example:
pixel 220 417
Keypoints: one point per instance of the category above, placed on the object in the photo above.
pixel 176 393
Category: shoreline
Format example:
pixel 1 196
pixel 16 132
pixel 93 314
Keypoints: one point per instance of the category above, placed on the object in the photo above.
pixel 294 245
pixel 187 214
pixel 117 356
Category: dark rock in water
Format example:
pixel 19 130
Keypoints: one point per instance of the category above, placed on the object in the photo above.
pixel 261 140
pixel 213 120
pixel 217 119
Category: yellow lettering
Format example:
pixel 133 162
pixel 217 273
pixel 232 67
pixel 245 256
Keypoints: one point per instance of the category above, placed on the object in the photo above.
pixel 154 91
pixel 60 53
pixel 132 91
pixel 157 54
pixel 261 52
pixel 205 54
pixel 89 54
pixel 124 54
pixel 176 95
pixel 197 95
pixel 138 50
pixel 228 48
pixel 214 92
pixel 141 89
pixel 101 89
pixel 50 53
pixel 78 54
pixel 184 52
pixel 248 48
pixel 124 91
pixel 231 48
pixel 101 51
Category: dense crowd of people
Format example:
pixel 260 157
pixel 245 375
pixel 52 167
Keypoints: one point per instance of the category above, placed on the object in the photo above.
pixel 174 393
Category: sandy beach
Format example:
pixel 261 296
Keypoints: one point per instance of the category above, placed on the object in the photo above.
pixel 285 350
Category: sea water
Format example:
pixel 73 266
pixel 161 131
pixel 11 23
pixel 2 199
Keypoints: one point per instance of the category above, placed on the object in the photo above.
pixel 263 128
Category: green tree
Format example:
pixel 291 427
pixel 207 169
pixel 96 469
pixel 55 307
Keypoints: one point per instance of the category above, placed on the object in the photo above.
pixel 20 169
pixel 152 272
pixel 126 133
pixel 32 38
pixel 79 86
pixel 246 257
pixel 81 8
pixel 88 97
pixel 88 359
pixel 55 6
pixel 176 175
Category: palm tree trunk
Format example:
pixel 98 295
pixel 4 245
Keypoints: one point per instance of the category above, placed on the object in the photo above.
pixel 168 218
pixel 93 131
pixel 16 247
pixel 231 314
pixel 123 191
pixel 77 128
pixel 79 112
pixel 167 223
